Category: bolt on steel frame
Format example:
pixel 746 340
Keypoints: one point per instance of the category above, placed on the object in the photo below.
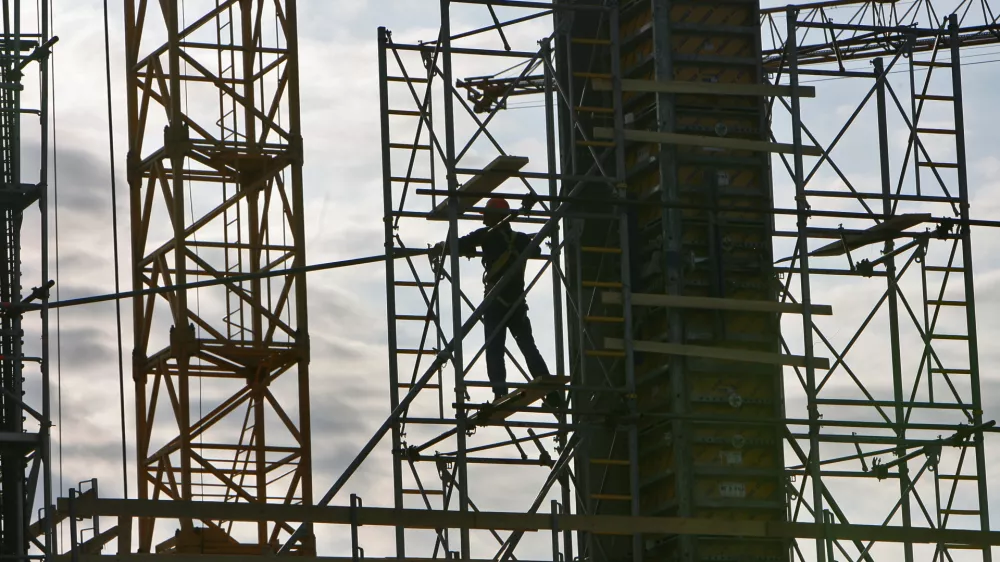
pixel 26 499
pixel 593 206
pixel 222 393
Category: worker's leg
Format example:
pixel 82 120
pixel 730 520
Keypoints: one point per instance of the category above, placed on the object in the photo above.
pixel 520 328
pixel 495 364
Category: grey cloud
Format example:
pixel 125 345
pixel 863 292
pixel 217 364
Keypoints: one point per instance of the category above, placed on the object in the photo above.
pixel 88 347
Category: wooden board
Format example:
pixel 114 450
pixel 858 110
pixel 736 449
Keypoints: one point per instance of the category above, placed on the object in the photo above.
pixel 706 141
pixel 525 396
pixel 493 175
pixel 885 230
pixel 718 353
pixel 679 301
pixel 706 88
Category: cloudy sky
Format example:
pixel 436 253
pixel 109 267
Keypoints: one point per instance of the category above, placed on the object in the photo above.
pixel 343 191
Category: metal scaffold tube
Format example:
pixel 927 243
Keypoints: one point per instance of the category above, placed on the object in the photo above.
pixel 702 403
pixel 27 518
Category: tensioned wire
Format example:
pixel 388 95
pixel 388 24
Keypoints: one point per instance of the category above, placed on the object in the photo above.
pixel 114 236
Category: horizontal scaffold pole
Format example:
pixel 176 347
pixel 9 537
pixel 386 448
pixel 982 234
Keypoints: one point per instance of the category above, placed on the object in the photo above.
pixel 528 522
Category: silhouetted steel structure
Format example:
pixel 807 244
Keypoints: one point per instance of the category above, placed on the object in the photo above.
pixel 713 414
pixel 222 394
pixel 26 519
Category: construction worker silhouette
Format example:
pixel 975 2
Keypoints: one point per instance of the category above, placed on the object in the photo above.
pixel 502 246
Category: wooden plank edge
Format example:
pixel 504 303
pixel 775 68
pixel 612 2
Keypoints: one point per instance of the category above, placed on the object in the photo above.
pixel 706 141
pixel 715 303
pixel 722 353
pixel 711 88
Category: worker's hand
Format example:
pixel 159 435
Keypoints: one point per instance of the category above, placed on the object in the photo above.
pixel 529 201
pixel 436 257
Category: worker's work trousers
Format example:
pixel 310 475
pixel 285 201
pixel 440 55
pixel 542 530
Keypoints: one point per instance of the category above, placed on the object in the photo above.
pixel 520 328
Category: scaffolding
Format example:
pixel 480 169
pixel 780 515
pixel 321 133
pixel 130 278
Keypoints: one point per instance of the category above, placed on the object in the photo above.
pixel 26 498
pixel 685 345
pixel 664 162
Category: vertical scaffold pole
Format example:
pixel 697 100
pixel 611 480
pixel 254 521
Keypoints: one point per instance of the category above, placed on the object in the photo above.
pixel 625 223
pixel 813 470
pixel 456 288
pixel 390 278
pixel 43 185
pixel 890 268
pixel 970 293
pixel 557 295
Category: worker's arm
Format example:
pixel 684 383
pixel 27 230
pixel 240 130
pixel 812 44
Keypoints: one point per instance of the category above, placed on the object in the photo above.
pixel 524 240
pixel 466 244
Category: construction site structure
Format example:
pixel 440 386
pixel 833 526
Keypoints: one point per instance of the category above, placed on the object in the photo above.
pixel 222 395
pixel 663 228
pixel 26 478
pixel 669 174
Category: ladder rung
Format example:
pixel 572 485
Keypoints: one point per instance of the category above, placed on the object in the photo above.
pixel 945 303
pixel 605 319
pixel 613 462
pixel 404 79
pixel 421 492
pixel 405 146
pixel 933 97
pixel 957 477
pixel 930 131
pixel 951 371
pixel 600 250
pixel 938 164
pixel 945 269
pixel 598 144
pixel 412 180
pixel 425 387
pixel 959 512
pixel 592 109
pixel 584 41
pixel 598 75
pixel 611 497
pixel 956 337
pixel 416 317
pixel 417 351
pixel 931 63
pixel 603 284
pixel 413 284
pixel 603 353
pixel 406 112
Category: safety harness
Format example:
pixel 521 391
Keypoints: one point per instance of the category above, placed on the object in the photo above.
pixel 509 255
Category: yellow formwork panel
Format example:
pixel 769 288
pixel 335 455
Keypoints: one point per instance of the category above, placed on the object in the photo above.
pixel 736 466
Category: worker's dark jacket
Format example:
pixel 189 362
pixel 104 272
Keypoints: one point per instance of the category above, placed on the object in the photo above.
pixel 502 247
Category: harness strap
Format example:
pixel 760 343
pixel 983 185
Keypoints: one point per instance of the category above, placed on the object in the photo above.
pixel 505 258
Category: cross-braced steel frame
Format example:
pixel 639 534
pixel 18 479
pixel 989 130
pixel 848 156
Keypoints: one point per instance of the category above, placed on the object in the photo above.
pixel 26 500
pixel 847 424
pixel 222 390
pixel 877 450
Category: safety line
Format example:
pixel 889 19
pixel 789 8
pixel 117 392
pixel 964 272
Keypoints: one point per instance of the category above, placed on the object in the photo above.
pixel 397 254
pixel 114 236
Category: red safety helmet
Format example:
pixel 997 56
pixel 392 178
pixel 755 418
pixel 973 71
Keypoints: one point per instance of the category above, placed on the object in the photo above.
pixel 496 208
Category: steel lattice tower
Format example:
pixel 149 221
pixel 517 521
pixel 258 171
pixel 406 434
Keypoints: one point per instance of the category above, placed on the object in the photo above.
pixel 222 393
